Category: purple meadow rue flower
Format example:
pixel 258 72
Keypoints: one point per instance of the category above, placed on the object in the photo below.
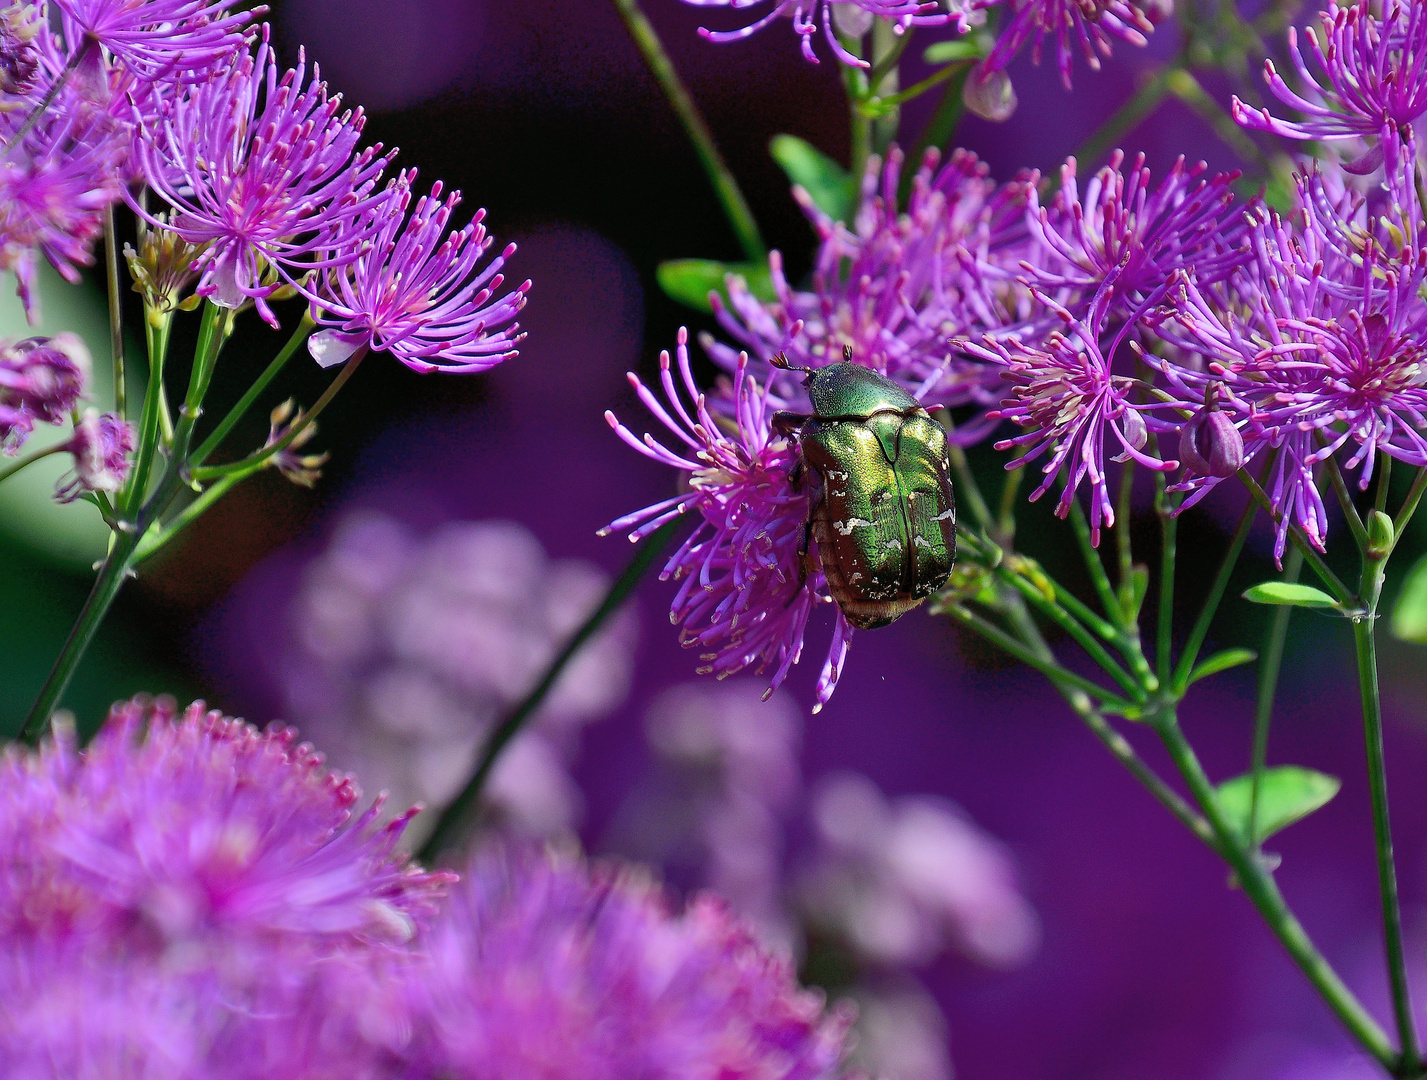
pixel 187 896
pixel 544 967
pixel 41 380
pixel 54 188
pixel 1091 23
pixel 419 291
pixel 1318 348
pixel 264 170
pixel 101 446
pixel 904 881
pixel 895 287
pixel 805 14
pixel 1073 407
pixel 1121 235
pixel 747 586
pixel 21 25
pixel 168 39
pixel 1375 84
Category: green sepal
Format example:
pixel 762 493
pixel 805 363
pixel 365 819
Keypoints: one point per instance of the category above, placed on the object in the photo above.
pixel 689 281
pixel 949 52
pixel 1221 661
pixel 1291 594
pixel 1287 793
pixel 831 187
pixel 1409 616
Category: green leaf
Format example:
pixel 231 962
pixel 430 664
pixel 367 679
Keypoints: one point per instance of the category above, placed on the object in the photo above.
pixel 1222 661
pixel 1409 617
pixel 1291 594
pixel 1287 794
pixel 948 52
pixel 689 281
pixel 831 187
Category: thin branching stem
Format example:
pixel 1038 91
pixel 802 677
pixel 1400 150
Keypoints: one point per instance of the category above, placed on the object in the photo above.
pixel 1270 663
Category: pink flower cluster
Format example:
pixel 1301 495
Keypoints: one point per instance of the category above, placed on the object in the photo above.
pixel 189 896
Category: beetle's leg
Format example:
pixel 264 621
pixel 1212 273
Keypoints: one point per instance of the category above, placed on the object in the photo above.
pixel 787 424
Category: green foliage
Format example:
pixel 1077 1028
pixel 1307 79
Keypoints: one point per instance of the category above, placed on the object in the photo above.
pixel 1409 617
pixel 1287 793
pixel 831 187
pixel 689 281
pixel 1291 594
pixel 1222 661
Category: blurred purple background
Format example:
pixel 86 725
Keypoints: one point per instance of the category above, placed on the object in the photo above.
pixel 1149 966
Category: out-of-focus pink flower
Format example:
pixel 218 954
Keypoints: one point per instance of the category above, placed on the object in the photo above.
pixel 101 445
pixel 41 380
pixel 744 594
pixel 188 896
pixel 542 967
pixel 420 292
pixel 903 882
pixel 264 170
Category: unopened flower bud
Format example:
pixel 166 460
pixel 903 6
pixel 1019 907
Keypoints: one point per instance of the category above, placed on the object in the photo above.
pixel 851 20
pixel 1380 535
pixel 1157 11
pixel 989 94
pixel 162 269
pixel 1210 444
pixel 20 25
pixel 101 446
pixel 304 469
pixel 1133 425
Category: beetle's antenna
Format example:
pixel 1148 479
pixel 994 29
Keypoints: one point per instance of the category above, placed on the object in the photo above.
pixel 780 361
pixel 847 354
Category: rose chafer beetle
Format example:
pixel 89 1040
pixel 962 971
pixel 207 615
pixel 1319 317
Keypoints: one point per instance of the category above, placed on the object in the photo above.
pixel 880 503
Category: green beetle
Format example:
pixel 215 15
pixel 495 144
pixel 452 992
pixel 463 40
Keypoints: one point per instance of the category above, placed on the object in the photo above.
pixel 881 506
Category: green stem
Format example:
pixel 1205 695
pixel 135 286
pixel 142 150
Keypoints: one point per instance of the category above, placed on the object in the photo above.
pixel 1146 100
pixel 29 459
pixel 877 107
pixel 968 490
pixel 860 123
pixel 1409 506
pixel 118 565
pixel 735 206
pixel 1263 891
pixel 1270 663
pixel 253 461
pixel 1384 483
pixel 238 411
pixel 1169 542
pixel 116 310
pixel 887 48
pixel 1190 655
pixel 156 328
pixel 1365 647
pixel 456 815
pixel 1093 563
pixel 1345 500
pixel 939 129
pixel 1123 541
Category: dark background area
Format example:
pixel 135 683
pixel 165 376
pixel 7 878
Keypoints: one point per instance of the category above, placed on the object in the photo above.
pixel 542 111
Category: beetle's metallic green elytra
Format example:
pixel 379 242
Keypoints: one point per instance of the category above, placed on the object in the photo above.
pixel 881 506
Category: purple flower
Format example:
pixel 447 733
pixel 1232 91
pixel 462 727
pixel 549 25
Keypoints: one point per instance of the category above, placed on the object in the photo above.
pixel 895 287
pixel 420 292
pixel 1376 84
pixel 198 825
pixel 542 967
pixel 188 896
pixel 265 171
pixel 159 38
pixel 1318 348
pixel 1073 407
pixel 41 379
pixel 746 586
pixel 1122 236
pixel 805 14
pixel 1090 22
pixel 54 189
pixel 101 446
pixel 21 27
